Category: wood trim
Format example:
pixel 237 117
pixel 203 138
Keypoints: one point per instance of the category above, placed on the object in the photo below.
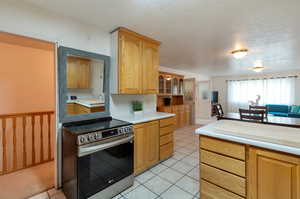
pixel 11 115
pixel 171 74
pixel 14 144
pixel 33 138
pixel 19 40
pixel 4 155
pixel 127 31
pixel 19 129
pixel 24 141
pixel 49 136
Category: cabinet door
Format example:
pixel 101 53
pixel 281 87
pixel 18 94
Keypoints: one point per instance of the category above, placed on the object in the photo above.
pixel 130 64
pixel 139 148
pixel 273 175
pixel 152 144
pixel 84 70
pixel 150 68
pixel 72 73
pixel 78 73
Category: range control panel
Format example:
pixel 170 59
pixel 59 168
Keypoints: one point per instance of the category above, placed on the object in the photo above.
pixel 104 134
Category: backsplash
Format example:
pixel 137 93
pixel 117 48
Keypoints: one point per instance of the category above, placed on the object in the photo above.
pixel 121 104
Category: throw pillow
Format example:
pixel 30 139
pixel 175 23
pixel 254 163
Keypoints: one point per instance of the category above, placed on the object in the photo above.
pixel 295 109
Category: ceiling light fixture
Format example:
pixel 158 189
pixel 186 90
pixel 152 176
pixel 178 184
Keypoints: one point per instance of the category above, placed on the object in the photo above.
pixel 239 54
pixel 258 67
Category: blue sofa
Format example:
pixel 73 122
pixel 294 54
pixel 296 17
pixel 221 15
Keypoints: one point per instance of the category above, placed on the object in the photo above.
pixel 283 110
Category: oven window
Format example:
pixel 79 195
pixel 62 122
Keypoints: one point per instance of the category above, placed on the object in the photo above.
pixel 104 168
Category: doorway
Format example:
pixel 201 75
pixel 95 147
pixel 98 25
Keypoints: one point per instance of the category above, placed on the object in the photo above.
pixel 27 116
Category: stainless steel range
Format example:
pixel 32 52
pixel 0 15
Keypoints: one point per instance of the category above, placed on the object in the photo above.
pixel 97 158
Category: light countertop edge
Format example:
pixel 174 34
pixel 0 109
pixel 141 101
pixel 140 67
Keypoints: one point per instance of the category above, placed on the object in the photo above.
pixel 145 117
pixel 206 131
pixel 84 104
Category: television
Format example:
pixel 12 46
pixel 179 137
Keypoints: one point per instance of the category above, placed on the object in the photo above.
pixel 215 97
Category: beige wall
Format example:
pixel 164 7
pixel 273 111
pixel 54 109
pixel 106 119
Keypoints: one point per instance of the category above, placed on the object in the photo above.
pixel 27 79
pixel 219 84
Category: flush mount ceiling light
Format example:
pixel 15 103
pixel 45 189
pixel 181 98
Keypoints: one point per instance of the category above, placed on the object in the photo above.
pixel 239 54
pixel 258 67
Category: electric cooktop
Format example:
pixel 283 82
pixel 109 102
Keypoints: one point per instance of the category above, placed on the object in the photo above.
pixel 87 126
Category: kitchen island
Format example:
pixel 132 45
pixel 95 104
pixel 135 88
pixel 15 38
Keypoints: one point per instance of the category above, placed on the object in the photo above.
pixel 249 160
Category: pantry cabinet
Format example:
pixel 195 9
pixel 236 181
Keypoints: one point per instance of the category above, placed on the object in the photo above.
pixel 135 63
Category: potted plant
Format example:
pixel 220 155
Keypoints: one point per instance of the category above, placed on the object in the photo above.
pixel 137 108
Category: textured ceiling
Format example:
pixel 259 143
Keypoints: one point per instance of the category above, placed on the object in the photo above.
pixel 198 35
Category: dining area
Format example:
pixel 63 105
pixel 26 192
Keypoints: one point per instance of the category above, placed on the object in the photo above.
pixel 258 114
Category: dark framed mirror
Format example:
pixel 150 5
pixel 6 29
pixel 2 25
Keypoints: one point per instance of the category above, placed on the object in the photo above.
pixel 83 81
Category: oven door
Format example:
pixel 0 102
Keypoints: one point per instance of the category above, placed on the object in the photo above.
pixel 102 165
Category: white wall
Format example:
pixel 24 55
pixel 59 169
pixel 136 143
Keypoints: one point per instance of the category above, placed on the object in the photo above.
pixel 121 104
pixel 24 20
pixel 186 74
pixel 21 19
pixel 219 84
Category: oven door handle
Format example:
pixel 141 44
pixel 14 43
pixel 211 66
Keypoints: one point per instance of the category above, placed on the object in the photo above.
pixel 87 150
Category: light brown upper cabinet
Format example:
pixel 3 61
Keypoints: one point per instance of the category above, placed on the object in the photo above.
pixel 135 63
pixel 78 73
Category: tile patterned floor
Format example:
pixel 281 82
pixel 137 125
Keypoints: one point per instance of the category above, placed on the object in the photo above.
pixel 175 178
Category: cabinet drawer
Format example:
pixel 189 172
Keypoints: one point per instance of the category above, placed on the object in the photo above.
pixel 166 151
pixel 141 125
pixel 231 165
pixel 223 179
pixel 166 139
pixel 166 130
pixel 223 147
pixel 211 191
pixel 166 122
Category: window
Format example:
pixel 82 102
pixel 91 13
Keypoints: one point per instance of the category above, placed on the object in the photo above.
pixel 271 91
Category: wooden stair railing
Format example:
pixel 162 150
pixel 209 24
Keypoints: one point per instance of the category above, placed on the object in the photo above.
pixel 26 140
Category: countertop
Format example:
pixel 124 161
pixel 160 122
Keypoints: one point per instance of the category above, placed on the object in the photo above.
pixel 86 103
pixel 273 120
pixel 143 117
pixel 279 138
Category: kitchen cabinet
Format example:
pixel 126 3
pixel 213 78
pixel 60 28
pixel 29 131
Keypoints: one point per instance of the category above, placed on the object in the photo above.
pixel 273 175
pixel 166 140
pixel 153 142
pixel 150 68
pixel 234 171
pixel 135 63
pixel 78 72
pixel 146 145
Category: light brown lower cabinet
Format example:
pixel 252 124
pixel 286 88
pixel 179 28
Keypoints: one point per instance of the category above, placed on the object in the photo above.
pixel 146 145
pixel 231 170
pixel 273 175
pixel 153 142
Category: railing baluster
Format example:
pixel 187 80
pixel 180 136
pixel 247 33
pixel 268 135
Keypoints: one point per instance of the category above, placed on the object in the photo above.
pixel 24 142
pixel 15 158
pixel 42 139
pixel 8 155
pixel 33 139
pixel 49 136
pixel 4 163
